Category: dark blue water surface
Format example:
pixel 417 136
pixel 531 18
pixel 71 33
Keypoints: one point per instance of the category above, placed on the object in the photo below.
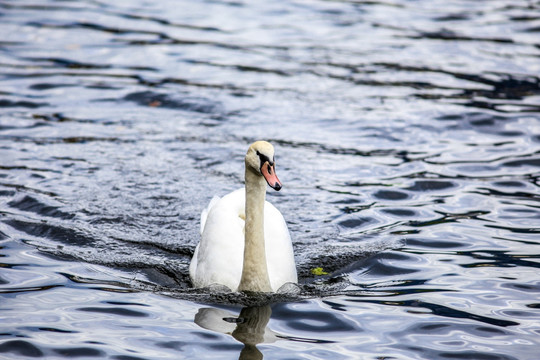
pixel 407 136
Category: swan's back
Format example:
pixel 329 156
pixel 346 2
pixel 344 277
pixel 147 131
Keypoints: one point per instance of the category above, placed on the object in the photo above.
pixel 218 258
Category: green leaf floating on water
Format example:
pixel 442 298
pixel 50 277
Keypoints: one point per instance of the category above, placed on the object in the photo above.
pixel 318 271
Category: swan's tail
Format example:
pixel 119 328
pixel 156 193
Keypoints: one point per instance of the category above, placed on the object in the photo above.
pixel 204 213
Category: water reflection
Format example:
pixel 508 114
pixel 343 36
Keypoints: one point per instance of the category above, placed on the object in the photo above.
pixel 249 327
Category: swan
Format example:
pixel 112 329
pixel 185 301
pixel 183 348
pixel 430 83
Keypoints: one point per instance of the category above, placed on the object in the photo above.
pixel 245 243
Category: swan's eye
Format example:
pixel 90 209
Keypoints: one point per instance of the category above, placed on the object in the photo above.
pixel 263 159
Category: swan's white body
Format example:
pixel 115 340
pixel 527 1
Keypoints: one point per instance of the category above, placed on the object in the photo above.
pixel 245 244
pixel 218 258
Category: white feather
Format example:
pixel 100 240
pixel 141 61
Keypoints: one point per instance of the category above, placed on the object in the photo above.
pixel 204 213
pixel 218 257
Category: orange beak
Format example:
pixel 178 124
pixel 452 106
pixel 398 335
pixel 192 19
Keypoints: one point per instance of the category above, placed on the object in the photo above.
pixel 269 173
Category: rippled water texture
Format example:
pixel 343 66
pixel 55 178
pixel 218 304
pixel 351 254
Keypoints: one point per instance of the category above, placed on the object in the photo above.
pixel 407 136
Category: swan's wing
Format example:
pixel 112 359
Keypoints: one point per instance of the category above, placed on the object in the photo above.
pixel 279 250
pixel 204 216
pixel 218 257
pixel 204 213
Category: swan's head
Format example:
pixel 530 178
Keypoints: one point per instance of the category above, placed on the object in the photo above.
pixel 260 160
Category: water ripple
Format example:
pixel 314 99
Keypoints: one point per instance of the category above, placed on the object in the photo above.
pixel 407 138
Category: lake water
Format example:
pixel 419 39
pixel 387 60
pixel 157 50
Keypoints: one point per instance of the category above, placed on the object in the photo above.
pixel 407 138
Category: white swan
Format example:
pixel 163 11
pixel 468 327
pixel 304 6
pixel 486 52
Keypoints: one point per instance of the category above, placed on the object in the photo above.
pixel 245 244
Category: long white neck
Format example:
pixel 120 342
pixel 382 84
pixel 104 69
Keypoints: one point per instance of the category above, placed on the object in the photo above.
pixel 254 271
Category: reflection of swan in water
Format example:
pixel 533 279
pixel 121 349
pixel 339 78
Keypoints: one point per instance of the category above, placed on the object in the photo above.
pixel 252 331
pixel 249 327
